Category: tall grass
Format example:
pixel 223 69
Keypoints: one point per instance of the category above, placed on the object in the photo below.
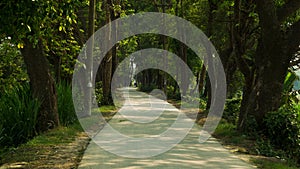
pixel 18 114
pixel 19 110
pixel 66 109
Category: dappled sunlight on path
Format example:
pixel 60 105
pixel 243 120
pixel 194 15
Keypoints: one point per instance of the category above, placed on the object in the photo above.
pixel 146 123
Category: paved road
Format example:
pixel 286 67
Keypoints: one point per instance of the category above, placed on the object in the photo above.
pixel 151 118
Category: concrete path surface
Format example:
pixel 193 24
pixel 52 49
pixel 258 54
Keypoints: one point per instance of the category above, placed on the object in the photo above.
pixel 145 133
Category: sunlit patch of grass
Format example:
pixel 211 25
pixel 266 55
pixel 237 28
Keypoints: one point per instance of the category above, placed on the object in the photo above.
pixel 108 109
pixel 226 130
pixel 60 135
pixel 228 135
pixel 41 145
pixel 274 164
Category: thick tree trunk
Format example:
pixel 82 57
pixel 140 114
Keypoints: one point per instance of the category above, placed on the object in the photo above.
pixel 106 78
pixel 89 61
pixel 184 80
pixel 209 30
pixel 42 85
pixel 107 61
pixel 272 61
pixel 267 92
pixel 243 115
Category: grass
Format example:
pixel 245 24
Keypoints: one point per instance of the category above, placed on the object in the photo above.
pixel 43 146
pixel 52 148
pixel 18 114
pixel 61 135
pixel 228 135
pixel 268 164
pixel 66 111
pixel 245 145
pixel 107 109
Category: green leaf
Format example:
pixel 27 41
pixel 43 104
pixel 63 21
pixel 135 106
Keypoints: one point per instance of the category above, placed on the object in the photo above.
pixel 20 45
pixel 29 28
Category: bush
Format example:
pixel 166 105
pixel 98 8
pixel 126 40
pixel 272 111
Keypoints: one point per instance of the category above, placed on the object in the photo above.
pixel 147 88
pixel 18 116
pixel 66 111
pixel 283 129
pixel 12 66
pixel 99 93
pixel 264 147
pixel 173 95
pixel 232 109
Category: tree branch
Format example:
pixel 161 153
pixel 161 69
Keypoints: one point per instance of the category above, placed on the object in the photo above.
pixel 288 9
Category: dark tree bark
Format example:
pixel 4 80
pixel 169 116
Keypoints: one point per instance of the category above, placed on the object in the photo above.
pixel 273 55
pixel 212 6
pixel 107 61
pixel 42 85
pixel 238 47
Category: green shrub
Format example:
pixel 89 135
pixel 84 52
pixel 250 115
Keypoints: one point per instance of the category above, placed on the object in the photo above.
pixel 283 129
pixel 18 116
pixel 232 109
pixel 66 109
pixel 12 66
pixel 147 88
pixel 173 95
pixel 99 93
pixel 264 147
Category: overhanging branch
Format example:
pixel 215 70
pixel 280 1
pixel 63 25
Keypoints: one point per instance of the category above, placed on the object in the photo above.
pixel 288 9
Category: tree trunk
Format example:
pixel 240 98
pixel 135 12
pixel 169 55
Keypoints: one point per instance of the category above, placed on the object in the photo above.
pixel 209 30
pixel 107 61
pixel 42 85
pixel 184 80
pixel 202 76
pixel 114 15
pixel 272 61
pixel 242 119
pixel 89 61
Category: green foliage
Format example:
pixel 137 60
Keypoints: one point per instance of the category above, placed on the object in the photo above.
pixel 264 147
pixel 61 135
pixel 99 93
pixel 18 113
pixel 171 94
pixel 289 96
pixel 51 22
pixel 147 88
pixel 274 164
pixel 41 146
pixel 225 129
pixel 12 66
pixel 18 116
pixel 283 128
pixel 36 19
pixel 66 109
pixel 231 110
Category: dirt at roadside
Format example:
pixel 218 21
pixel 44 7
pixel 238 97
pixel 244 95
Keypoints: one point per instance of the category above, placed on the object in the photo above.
pixel 62 156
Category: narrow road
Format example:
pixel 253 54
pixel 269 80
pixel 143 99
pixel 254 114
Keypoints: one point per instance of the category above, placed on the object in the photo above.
pixel 148 134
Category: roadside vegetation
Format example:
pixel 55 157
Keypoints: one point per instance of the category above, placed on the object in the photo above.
pixel 257 43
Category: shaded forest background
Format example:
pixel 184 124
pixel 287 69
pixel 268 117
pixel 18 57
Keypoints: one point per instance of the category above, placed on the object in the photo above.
pixel 258 43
